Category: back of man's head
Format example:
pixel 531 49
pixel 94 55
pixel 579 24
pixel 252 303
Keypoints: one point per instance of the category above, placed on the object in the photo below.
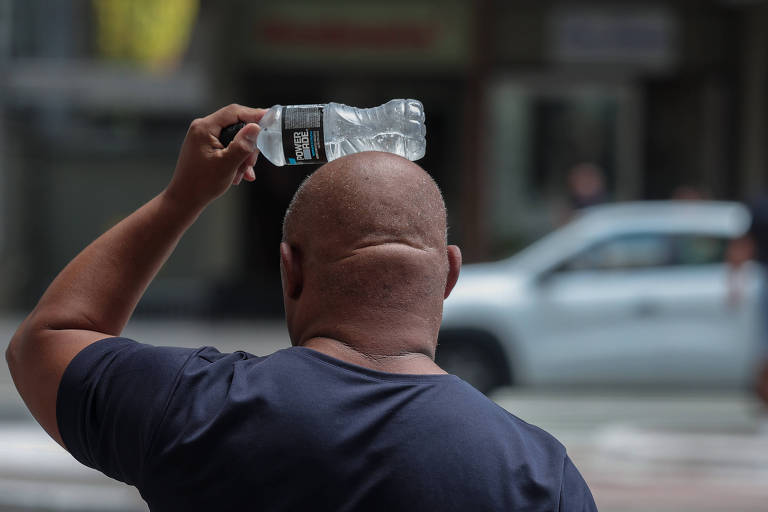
pixel 368 235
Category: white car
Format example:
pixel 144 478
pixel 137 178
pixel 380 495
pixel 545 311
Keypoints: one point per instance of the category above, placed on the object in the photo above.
pixel 626 294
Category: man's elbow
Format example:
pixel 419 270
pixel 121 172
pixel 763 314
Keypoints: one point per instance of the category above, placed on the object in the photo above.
pixel 12 350
pixel 9 355
pixel 21 338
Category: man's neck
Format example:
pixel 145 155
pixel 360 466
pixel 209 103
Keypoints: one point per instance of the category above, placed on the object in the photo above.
pixel 375 358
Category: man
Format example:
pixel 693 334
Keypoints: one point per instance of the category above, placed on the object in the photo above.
pixel 355 416
pixel 754 246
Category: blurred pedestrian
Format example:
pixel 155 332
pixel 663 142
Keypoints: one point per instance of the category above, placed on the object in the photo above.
pixel 754 246
pixel 585 187
pixel 355 416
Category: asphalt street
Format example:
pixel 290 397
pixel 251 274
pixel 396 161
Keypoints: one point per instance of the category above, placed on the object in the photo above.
pixel 639 451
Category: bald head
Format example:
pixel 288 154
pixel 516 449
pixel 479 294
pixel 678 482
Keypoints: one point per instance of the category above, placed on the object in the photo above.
pixel 367 235
pixel 366 199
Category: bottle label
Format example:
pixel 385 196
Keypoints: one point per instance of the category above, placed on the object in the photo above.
pixel 303 140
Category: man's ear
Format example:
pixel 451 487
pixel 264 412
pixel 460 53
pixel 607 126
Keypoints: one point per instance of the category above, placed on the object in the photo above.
pixel 290 271
pixel 454 267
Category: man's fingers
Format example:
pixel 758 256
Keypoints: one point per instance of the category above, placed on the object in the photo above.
pixel 243 147
pixel 232 114
pixel 240 173
pixel 245 172
pixel 251 161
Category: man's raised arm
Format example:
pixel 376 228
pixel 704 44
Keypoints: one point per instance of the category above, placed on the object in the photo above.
pixel 94 296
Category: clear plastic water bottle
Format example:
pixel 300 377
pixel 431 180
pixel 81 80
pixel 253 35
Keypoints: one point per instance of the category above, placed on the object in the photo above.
pixel 310 134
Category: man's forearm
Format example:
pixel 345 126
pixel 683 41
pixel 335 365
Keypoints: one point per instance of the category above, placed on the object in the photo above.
pixel 94 296
pixel 100 288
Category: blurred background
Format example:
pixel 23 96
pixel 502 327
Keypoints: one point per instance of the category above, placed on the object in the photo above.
pixel 535 111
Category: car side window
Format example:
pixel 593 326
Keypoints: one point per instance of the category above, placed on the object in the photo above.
pixel 694 249
pixel 647 250
pixel 630 251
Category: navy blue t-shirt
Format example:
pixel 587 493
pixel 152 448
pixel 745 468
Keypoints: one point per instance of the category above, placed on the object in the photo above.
pixel 195 429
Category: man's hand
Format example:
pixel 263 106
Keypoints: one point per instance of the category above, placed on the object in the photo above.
pixel 739 252
pixel 206 168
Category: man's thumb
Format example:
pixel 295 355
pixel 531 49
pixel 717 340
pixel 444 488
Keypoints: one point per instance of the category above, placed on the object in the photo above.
pixel 243 145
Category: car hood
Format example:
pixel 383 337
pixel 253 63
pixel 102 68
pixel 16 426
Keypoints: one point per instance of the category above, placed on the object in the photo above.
pixel 485 284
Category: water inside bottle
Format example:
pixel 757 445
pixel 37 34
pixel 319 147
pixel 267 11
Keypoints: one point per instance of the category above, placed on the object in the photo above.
pixel 395 127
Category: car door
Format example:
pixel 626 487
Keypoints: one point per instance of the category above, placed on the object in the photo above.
pixel 638 308
pixel 709 337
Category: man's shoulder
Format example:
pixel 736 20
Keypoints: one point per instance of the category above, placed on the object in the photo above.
pixel 504 423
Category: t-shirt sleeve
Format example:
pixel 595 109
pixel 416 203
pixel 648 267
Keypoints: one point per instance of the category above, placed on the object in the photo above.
pixel 111 399
pixel 575 495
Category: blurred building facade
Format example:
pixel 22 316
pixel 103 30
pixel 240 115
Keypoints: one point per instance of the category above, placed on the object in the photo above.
pixel 97 94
